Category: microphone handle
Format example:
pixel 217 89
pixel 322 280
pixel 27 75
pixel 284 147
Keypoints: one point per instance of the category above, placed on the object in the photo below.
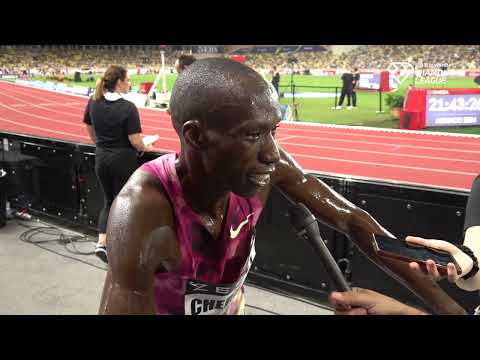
pixel 310 234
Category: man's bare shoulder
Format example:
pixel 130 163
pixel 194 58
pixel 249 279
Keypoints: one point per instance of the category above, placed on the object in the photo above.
pixel 141 238
pixel 144 198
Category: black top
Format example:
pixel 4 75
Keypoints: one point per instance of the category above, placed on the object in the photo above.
pixel 347 79
pixel 356 79
pixel 276 79
pixel 112 122
pixel 472 214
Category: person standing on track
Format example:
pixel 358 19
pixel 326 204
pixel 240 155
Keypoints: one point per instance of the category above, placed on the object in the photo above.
pixel 276 79
pixel 113 124
pixel 347 83
pixel 355 86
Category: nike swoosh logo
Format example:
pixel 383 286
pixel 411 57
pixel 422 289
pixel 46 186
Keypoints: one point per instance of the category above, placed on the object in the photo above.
pixel 234 233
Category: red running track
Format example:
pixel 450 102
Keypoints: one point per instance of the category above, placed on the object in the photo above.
pixel 406 157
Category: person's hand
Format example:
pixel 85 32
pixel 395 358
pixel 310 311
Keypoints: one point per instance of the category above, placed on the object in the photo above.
pixel 462 259
pixel 360 301
pixel 148 148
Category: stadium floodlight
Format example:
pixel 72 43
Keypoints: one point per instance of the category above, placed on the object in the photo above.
pixel 161 74
pixel 291 61
pixel 162 98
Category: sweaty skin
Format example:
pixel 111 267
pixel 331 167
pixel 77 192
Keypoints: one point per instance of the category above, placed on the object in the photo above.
pixel 218 157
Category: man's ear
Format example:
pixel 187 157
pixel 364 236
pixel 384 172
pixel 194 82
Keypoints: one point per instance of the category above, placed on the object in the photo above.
pixel 193 134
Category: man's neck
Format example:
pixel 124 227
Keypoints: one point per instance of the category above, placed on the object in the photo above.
pixel 203 196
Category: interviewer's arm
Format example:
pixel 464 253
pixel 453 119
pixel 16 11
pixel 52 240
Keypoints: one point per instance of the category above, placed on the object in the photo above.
pixel 471 240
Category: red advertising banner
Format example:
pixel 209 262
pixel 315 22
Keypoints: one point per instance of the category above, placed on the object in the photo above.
pixel 240 58
pixel 472 73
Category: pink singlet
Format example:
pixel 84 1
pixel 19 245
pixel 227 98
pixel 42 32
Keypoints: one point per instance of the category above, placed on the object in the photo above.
pixel 210 277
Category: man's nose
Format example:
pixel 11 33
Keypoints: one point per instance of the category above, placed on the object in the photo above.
pixel 269 153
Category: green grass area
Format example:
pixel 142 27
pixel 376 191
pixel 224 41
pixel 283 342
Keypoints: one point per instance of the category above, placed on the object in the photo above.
pixel 135 79
pixel 368 103
pixel 320 109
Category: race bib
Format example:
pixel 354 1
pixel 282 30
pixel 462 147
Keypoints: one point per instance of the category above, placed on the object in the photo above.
pixel 202 298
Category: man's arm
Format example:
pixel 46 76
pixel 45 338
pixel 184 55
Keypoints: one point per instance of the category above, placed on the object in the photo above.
pixel 356 80
pixel 140 236
pixel 330 207
pixel 335 211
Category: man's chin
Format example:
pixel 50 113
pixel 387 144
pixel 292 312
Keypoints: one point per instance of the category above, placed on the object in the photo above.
pixel 247 192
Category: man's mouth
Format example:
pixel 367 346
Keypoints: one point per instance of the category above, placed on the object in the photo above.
pixel 259 179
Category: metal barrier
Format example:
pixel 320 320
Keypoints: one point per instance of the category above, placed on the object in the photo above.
pixel 292 91
pixel 285 262
pixel 3 197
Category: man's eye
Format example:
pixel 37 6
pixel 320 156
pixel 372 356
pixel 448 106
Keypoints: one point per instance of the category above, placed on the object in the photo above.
pixel 274 131
pixel 254 136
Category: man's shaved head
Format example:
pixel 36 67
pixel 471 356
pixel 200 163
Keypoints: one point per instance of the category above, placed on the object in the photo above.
pixel 225 115
pixel 212 90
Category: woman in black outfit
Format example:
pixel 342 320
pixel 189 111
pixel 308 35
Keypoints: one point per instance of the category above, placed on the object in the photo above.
pixel 113 124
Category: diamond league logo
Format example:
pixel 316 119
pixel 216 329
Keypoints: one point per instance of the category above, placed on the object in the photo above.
pixel 399 71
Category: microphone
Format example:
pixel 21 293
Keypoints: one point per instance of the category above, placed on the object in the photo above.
pixel 306 227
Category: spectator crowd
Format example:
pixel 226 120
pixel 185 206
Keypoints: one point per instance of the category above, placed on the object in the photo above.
pixel 64 59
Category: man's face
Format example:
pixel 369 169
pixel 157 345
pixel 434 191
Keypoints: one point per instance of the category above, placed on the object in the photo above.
pixel 242 151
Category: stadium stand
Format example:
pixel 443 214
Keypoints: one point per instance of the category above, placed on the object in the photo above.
pixel 54 60
pixel 367 57
pixel 62 59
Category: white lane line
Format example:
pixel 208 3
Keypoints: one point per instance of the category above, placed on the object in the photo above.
pixel 80 110
pixel 43 129
pixel 385 165
pixel 374 129
pixel 382 153
pixel 286 138
pixel 389 144
pixel 336 133
pixel 39 106
pixel 350 177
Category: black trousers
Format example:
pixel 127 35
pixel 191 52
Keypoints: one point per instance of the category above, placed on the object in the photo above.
pixel 345 92
pixel 113 168
pixel 276 87
pixel 354 98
